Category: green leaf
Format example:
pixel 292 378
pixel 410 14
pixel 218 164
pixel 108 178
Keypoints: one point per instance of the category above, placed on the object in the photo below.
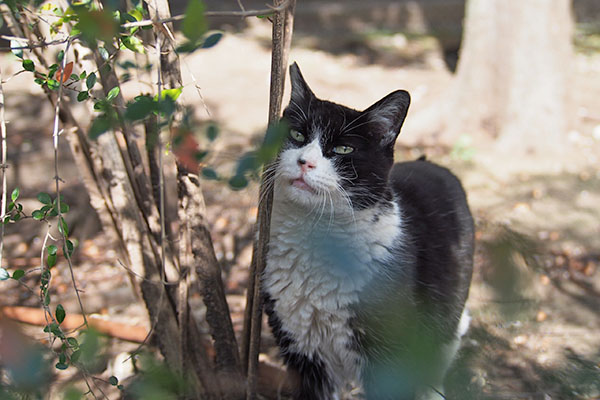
pixel 82 75
pixel 83 95
pixel 75 77
pixel 51 260
pixel 73 343
pixel 39 81
pixel 76 354
pixel 4 275
pixel 44 198
pixel 61 366
pixel 18 274
pixel 53 84
pixel 274 139
pixel 200 155
pixel 113 380
pixel 63 227
pixel 15 194
pixel 51 249
pixel 194 23
pixel 248 163
pixel 52 70
pixel 60 314
pixel 94 24
pixel 188 47
pixel 212 40
pixel 70 247
pixel 173 94
pixel 101 105
pixel 212 131
pixel 133 43
pixel 103 53
pixel 64 208
pixel 47 299
pixel 60 56
pixel 209 173
pixel 90 81
pixel 140 108
pixel 38 215
pixel 28 65
pixel 238 182
pixel 100 125
pixel 113 93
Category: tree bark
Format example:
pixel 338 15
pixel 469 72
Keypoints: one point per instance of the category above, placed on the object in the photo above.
pixel 512 78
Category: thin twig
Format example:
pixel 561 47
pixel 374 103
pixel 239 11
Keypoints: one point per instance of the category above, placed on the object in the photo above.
pixel 31 45
pixel 248 13
pixel 55 135
pixel 2 169
pixel 161 177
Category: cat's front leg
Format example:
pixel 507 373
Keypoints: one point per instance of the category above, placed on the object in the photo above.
pixel 314 380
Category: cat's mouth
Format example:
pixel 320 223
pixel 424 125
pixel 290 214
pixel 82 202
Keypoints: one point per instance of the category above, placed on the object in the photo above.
pixel 300 183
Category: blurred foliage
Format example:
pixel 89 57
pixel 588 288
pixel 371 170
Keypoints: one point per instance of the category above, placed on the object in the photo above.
pixel 154 380
pixel 587 38
pixel 512 258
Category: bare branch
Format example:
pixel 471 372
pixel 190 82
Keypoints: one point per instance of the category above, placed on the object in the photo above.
pixel 247 13
pixel 55 135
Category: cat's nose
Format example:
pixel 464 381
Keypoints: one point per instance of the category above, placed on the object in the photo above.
pixel 305 165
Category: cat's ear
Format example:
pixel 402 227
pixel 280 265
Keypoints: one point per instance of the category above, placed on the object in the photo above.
pixel 389 114
pixel 300 90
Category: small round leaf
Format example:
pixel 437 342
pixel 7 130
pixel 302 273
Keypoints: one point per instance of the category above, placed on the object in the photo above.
pixel 28 65
pixel 61 366
pixel 83 95
pixel 44 198
pixel 60 313
pixel 18 274
pixel 209 173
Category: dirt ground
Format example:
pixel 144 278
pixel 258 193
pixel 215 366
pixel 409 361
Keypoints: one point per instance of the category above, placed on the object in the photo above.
pixel 535 298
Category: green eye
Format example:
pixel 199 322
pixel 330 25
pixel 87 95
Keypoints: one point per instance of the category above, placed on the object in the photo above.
pixel 343 149
pixel 297 136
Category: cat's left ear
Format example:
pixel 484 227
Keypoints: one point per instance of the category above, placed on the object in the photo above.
pixel 301 93
pixel 389 114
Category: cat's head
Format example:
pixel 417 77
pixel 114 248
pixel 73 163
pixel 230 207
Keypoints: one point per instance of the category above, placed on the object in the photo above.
pixel 336 156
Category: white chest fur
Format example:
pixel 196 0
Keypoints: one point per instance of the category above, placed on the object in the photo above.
pixel 316 268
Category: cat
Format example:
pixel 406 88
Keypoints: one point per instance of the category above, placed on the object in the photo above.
pixel 369 263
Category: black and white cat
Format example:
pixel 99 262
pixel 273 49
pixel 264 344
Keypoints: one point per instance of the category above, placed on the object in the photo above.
pixel 369 263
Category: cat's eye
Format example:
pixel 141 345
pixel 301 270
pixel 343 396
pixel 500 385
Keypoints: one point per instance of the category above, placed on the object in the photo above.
pixel 343 149
pixel 297 136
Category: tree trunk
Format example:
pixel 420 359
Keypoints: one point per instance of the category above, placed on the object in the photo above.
pixel 512 77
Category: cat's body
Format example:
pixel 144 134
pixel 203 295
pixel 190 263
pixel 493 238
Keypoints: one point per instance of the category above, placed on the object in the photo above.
pixel 368 270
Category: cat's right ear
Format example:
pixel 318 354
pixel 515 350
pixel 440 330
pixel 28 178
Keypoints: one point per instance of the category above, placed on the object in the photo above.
pixel 300 90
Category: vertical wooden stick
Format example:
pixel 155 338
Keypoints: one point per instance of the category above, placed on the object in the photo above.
pixel 282 31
